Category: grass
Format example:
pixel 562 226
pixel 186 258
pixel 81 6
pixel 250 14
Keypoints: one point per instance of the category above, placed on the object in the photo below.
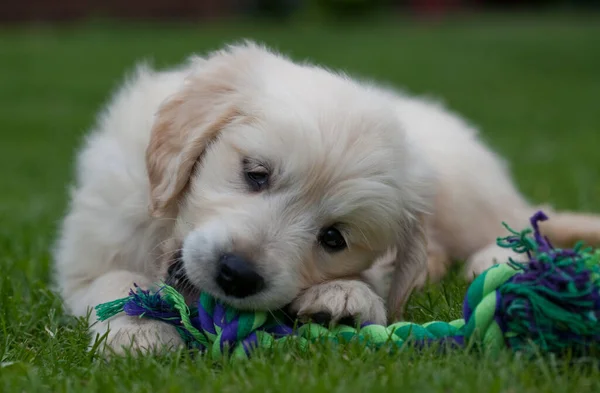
pixel 531 84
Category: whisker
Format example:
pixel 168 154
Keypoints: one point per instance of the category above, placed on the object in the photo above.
pixel 160 244
pixel 158 257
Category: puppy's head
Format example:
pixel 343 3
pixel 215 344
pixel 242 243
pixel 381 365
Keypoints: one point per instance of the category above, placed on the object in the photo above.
pixel 281 176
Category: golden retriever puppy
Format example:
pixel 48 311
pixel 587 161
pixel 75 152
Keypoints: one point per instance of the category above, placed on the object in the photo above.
pixel 272 183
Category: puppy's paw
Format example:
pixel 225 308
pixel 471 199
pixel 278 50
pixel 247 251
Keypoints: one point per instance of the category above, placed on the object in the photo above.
pixel 135 335
pixel 340 301
pixel 489 256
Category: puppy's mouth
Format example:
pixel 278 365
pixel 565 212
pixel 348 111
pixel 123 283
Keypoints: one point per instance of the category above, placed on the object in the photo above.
pixel 178 279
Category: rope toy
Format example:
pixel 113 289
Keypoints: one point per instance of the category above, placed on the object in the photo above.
pixel 551 302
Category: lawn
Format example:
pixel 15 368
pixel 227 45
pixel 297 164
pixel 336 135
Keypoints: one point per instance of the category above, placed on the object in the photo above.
pixel 532 85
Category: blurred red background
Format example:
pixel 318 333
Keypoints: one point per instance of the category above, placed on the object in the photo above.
pixel 17 11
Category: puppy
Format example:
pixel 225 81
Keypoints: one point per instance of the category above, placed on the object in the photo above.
pixel 275 183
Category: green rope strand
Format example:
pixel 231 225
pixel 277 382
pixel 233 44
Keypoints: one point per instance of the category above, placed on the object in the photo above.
pixel 108 310
pixel 178 301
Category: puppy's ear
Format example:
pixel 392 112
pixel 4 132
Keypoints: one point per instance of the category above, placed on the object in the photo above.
pixel 410 263
pixel 185 124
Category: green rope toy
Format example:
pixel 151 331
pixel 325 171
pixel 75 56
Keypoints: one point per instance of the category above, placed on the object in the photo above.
pixel 551 302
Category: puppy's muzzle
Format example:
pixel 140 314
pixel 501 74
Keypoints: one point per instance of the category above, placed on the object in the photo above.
pixel 237 277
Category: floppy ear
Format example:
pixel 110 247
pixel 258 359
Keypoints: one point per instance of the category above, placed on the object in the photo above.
pixel 185 125
pixel 410 262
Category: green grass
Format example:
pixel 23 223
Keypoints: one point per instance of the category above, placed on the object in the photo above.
pixel 532 85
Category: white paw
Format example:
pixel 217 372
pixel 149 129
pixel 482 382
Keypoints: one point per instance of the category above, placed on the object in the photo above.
pixel 341 299
pixel 489 256
pixel 133 334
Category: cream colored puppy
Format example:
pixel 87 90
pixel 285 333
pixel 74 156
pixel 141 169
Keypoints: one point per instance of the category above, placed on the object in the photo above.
pixel 277 184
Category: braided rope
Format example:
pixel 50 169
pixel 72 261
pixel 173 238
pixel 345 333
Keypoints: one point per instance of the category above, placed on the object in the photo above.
pixel 237 333
pixel 553 301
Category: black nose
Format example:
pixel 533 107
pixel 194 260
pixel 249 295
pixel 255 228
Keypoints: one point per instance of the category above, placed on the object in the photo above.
pixel 237 277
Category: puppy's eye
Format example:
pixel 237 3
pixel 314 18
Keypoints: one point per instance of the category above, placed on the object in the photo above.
pixel 331 239
pixel 257 178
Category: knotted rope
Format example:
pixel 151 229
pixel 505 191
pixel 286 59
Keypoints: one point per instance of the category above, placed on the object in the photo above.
pixel 551 302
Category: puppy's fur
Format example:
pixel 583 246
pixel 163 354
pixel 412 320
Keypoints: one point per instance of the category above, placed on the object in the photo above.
pixel 407 183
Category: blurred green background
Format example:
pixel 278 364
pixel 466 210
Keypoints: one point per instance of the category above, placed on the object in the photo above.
pixel 526 73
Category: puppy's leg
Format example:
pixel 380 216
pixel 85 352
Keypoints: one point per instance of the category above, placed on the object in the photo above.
pixel 124 332
pixel 488 256
pixel 94 264
pixel 340 300
pixel 565 228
